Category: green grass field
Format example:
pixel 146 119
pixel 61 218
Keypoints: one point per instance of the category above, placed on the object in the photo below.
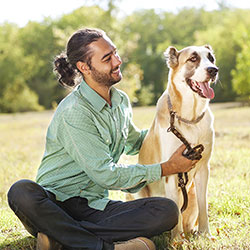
pixel 22 138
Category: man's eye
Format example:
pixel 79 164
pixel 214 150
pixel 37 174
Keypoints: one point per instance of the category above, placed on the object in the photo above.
pixel 108 59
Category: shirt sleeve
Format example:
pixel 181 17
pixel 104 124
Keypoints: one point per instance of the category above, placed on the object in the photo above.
pixel 135 135
pixel 134 140
pixel 81 139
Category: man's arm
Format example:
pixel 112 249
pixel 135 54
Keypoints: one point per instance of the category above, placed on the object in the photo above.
pixel 85 145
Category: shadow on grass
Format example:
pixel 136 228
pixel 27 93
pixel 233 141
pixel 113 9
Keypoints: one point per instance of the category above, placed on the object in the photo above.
pixel 162 242
pixel 27 243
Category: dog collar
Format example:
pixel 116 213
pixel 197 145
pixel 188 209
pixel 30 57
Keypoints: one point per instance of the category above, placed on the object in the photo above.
pixel 170 107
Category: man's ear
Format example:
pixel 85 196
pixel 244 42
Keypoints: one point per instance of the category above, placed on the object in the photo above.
pixel 171 55
pixel 83 67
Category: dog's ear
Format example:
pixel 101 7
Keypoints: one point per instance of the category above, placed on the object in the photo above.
pixel 208 47
pixel 171 55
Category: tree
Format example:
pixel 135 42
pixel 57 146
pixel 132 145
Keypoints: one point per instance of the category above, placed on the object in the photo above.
pixel 18 97
pixel 26 54
pixel 143 31
pixel 131 82
pixel 15 95
pixel 180 29
pixel 40 47
pixel 241 73
pixel 220 35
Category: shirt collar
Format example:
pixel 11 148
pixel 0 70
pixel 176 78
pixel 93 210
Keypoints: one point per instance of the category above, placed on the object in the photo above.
pixel 96 100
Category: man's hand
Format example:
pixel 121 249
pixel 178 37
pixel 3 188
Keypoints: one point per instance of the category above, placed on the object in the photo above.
pixel 177 163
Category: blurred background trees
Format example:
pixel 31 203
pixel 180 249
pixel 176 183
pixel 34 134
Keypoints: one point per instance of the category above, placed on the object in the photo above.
pixel 27 81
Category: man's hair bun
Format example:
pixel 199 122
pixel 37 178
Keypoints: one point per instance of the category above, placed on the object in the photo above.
pixel 65 71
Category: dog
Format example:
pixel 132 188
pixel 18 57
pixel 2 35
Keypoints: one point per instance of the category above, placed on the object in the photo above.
pixel 191 72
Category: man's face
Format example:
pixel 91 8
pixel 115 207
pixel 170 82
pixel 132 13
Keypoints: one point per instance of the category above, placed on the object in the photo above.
pixel 105 62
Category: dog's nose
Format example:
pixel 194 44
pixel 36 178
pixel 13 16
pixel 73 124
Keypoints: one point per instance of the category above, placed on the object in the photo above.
pixel 212 71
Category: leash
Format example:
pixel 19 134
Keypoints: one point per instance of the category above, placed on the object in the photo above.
pixel 191 153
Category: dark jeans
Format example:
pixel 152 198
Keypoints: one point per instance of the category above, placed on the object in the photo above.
pixel 77 226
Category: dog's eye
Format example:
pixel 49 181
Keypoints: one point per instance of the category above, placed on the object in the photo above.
pixel 193 58
pixel 210 58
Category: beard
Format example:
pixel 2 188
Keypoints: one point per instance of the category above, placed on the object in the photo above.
pixel 105 78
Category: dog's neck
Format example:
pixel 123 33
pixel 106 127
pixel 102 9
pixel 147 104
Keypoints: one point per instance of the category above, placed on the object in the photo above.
pixel 187 105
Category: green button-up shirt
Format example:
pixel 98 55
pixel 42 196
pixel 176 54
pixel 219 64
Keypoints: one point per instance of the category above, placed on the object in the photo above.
pixel 84 142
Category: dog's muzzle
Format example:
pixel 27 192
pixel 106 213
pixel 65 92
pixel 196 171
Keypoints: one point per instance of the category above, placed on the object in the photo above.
pixel 212 71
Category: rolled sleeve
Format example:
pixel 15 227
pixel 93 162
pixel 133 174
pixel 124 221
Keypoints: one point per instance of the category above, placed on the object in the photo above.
pixel 153 173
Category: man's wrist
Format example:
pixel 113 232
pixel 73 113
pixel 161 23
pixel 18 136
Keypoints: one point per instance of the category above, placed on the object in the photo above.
pixel 166 168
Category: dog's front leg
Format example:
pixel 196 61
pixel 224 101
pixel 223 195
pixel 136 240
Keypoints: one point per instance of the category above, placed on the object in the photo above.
pixel 201 182
pixel 173 193
pixel 177 232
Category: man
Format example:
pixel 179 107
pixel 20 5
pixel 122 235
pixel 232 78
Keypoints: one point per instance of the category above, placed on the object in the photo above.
pixel 68 207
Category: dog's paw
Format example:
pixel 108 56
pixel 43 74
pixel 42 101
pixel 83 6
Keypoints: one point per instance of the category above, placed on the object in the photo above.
pixel 212 238
pixel 204 235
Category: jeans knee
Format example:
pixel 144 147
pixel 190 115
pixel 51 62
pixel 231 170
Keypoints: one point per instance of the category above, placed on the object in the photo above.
pixel 174 214
pixel 21 194
pixel 167 215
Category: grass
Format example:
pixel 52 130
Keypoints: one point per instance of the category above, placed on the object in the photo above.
pixel 22 138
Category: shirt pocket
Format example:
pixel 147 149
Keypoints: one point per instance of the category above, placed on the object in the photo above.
pixel 106 137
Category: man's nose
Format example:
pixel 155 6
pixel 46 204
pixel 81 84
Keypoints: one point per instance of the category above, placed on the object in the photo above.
pixel 117 60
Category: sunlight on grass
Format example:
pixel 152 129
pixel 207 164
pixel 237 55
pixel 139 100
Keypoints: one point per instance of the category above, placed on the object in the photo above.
pixel 22 138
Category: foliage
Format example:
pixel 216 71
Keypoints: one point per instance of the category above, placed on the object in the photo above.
pixel 148 31
pixel 15 95
pixel 221 35
pixel 145 95
pixel 39 47
pixel 131 81
pixel 26 54
pixel 241 73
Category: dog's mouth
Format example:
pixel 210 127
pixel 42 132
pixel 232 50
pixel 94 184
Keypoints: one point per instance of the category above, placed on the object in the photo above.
pixel 201 88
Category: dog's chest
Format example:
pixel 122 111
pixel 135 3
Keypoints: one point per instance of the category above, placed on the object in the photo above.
pixel 193 133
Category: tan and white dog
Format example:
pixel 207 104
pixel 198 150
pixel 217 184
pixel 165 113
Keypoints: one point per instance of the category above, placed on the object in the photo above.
pixel 188 93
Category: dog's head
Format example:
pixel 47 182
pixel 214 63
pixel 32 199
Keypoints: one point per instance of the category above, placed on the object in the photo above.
pixel 193 68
